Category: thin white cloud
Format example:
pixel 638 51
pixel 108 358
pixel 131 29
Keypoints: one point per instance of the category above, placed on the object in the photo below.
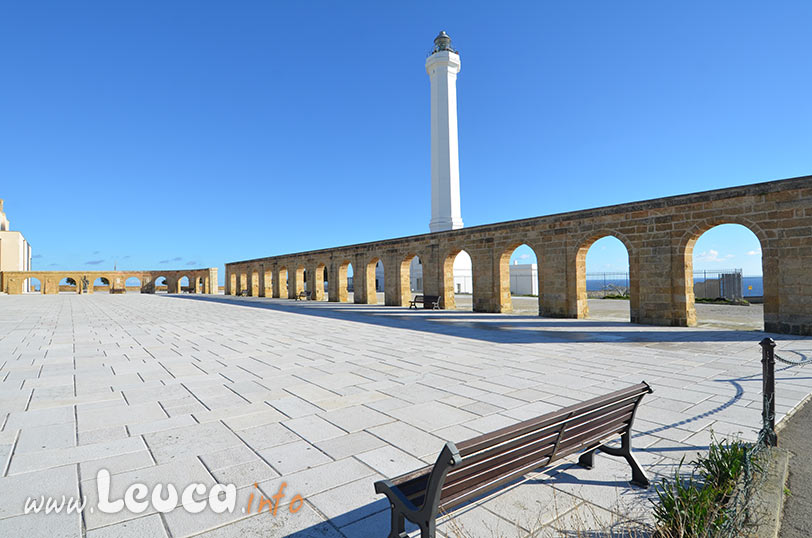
pixel 708 256
pixel 754 253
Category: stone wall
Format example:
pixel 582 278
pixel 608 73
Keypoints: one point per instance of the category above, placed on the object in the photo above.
pixel 13 282
pixel 659 235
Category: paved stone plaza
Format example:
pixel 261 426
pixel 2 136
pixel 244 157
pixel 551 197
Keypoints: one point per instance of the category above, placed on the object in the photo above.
pixel 330 397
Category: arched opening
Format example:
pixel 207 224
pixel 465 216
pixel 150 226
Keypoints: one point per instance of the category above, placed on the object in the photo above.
pixel 344 282
pixel 519 280
pixel 726 284
pixel 68 285
pixel 160 285
pixel 604 282
pixel 458 281
pixel 132 283
pixel 200 286
pixel 411 278
pixel 184 285
pixel 101 284
pixel 32 285
pixel 375 281
pixel 282 280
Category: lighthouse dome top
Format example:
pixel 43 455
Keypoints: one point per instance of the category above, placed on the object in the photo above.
pixel 442 43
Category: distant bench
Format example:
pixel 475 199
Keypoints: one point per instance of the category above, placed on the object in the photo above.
pixel 302 295
pixel 477 466
pixel 428 301
pixel 118 290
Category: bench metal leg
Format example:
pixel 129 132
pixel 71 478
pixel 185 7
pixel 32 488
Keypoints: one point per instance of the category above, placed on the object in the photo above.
pixel 398 528
pixel 428 529
pixel 639 477
pixel 587 459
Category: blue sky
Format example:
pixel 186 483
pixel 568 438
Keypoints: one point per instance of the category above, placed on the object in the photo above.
pixel 173 134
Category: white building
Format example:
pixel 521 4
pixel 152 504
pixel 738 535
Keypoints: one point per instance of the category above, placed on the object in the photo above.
pixel 15 252
pixel 524 279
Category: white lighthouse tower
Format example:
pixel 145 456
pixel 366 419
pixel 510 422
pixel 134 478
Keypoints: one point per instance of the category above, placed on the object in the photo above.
pixel 442 67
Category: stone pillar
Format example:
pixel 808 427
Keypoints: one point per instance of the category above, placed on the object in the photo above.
pixel 787 283
pixel 359 278
pixel 556 278
pixel 253 274
pixel 14 286
pixel 280 290
pixel 393 281
pixel 315 282
pixel 242 281
pixel 50 286
pixel 265 281
pixel 433 276
pixel 296 281
pixel 338 283
pixel 650 269
pixel 483 272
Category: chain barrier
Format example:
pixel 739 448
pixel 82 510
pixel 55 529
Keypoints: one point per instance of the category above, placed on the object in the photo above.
pixel 802 362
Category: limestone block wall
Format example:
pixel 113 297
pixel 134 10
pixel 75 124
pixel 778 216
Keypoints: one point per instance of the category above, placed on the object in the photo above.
pixel 659 235
pixel 200 280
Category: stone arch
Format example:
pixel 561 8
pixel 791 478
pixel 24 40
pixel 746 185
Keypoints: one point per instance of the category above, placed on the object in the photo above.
pixel 503 280
pixel 127 282
pixel 101 282
pixel 70 281
pixel 31 284
pixel 684 284
pixel 577 291
pixel 410 283
pixel 451 283
pixel 187 285
pixel 158 283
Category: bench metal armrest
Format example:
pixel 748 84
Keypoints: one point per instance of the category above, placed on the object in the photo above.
pixel 426 513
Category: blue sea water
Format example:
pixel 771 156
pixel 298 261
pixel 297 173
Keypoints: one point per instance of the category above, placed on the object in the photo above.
pixel 753 285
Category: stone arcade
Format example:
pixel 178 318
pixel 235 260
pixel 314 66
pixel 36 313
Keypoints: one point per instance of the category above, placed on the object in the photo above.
pixel 659 235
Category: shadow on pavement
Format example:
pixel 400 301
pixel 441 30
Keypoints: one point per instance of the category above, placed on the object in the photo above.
pixel 501 328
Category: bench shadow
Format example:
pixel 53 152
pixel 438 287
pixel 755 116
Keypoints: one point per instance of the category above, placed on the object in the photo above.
pixel 499 328
pixel 373 520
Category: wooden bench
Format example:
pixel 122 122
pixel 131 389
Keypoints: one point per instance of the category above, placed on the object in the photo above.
pixel 302 296
pixel 428 301
pixel 118 290
pixel 474 467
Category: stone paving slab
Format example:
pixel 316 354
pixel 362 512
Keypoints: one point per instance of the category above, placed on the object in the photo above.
pixel 322 399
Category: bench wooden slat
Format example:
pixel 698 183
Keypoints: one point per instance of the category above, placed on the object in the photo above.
pixel 509 433
pixel 476 443
pixel 552 445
